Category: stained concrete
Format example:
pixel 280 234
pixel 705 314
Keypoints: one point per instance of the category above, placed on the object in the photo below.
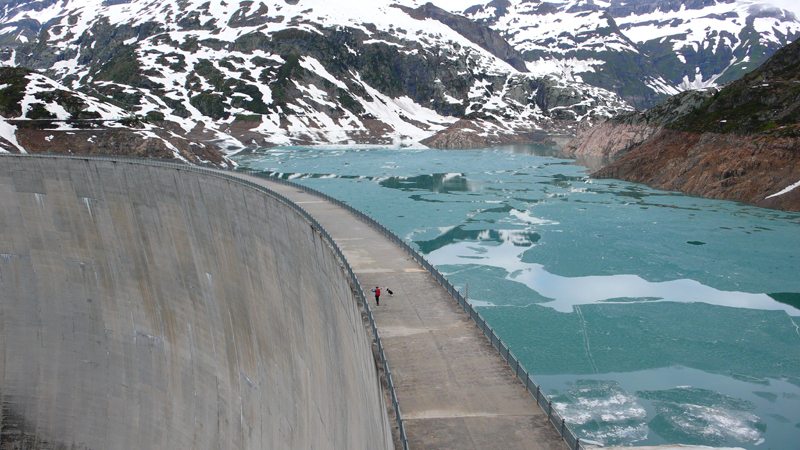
pixel 144 307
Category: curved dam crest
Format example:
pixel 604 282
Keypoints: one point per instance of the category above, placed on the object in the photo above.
pixel 145 307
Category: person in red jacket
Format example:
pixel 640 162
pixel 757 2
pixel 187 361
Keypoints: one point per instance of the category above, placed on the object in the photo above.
pixel 377 292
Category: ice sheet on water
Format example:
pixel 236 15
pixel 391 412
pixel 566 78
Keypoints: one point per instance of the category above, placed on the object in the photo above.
pixel 703 417
pixel 472 240
pixel 527 217
pixel 602 411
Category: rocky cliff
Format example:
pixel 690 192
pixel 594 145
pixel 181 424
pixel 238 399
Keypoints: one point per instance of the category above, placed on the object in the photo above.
pixel 760 170
pixel 621 133
pixel 740 143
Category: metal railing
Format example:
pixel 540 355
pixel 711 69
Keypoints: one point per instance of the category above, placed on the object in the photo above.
pixel 558 421
pixel 228 176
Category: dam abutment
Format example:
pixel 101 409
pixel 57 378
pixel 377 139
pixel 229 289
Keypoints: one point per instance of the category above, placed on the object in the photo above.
pixel 149 307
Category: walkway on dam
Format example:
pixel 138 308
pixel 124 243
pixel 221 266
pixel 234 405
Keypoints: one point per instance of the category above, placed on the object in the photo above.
pixel 454 389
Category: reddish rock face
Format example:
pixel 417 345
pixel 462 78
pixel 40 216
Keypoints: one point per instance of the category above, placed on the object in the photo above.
pixel 739 143
pixel 722 166
pixel 608 139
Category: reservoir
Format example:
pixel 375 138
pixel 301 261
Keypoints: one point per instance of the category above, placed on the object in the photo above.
pixel 650 317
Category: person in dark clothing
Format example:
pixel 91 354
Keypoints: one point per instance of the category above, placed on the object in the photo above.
pixel 377 292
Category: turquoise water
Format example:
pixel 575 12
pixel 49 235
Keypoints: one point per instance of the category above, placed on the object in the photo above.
pixel 650 317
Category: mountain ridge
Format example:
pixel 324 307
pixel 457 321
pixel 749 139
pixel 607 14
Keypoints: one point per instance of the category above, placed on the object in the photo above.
pixel 740 142
pixel 644 50
pixel 299 73
pixel 266 73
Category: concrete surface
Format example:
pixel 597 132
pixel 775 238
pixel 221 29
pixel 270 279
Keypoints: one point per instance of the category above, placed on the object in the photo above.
pixel 455 390
pixel 143 307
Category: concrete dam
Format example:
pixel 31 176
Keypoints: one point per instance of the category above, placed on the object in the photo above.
pixel 147 307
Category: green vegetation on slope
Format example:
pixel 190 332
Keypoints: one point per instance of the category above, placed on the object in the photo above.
pixel 765 100
pixel 13 81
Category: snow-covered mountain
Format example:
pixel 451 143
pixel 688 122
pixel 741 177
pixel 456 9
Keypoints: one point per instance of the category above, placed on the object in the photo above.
pixel 255 73
pixel 38 115
pixel 643 50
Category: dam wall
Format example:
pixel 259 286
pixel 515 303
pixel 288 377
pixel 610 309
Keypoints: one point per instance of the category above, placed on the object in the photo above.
pixel 148 307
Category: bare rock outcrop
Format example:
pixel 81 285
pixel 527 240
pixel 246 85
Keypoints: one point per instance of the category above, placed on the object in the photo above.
pixel 608 139
pixel 467 134
pixel 626 131
pixel 739 143
pixel 714 165
pixel 462 135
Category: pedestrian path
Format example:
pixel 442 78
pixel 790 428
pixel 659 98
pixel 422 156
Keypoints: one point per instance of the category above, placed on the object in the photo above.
pixel 455 390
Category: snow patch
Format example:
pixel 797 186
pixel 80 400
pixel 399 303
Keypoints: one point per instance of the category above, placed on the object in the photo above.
pixel 786 190
pixel 8 132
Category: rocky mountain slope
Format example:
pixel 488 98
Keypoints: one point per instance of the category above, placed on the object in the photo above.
pixel 741 142
pixel 644 50
pixel 296 72
pixel 36 113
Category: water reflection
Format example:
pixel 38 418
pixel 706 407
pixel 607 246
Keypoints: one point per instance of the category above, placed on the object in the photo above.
pixel 456 244
pixel 789 298
pixel 517 238
pixel 591 162
pixel 437 182
pixel 529 149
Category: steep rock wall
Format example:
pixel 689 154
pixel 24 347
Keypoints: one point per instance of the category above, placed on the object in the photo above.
pixel 608 139
pixel 748 169
pixel 145 307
